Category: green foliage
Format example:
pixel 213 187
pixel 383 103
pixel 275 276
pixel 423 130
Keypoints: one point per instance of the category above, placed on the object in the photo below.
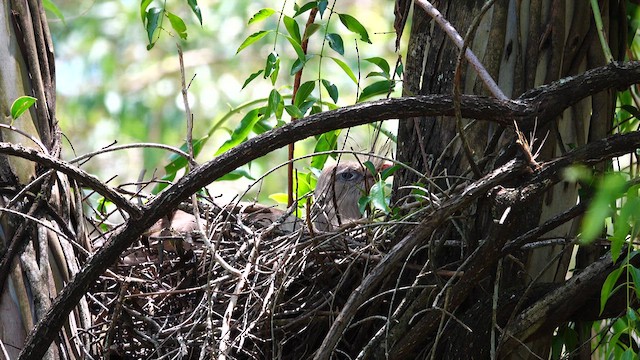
pixel 20 105
pixel 152 20
pixel 53 8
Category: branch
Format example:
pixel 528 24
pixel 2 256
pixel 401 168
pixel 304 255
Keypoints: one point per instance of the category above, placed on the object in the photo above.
pixel 73 172
pixel 542 104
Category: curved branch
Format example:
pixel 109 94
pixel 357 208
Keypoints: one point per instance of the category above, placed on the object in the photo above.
pixel 542 104
pixel 73 172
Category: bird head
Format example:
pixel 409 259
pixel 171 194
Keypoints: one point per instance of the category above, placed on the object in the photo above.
pixel 338 190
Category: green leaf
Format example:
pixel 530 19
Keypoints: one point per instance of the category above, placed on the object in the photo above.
pixel 608 285
pixel 381 63
pixel 52 8
pixel 378 196
pixel 20 105
pixel 298 65
pixel 153 23
pixel 372 169
pixel 144 4
pixel 261 15
pixel 322 6
pixel 241 132
pixel 193 4
pixel 306 105
pixel 297 48
pixel 275 99
pixel 386 173
pixel 251 77
pixel 271 65
pixel 355 26
pixel 294 112
pixel 272 68
pixel 280 198
pixel 346 69
pixel 306 7
pixel 335 42
pixel 310 30
pixel 177 161
pixel 378 88
pixel 235 175
pixel 293 29
pixel 331 89
pixel 635 274
pixel 303 92
pixel 252 38
pixel 178 25
pixel 326 142
pixel 610 188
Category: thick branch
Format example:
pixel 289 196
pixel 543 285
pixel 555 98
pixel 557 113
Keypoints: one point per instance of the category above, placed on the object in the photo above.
pixel 541 105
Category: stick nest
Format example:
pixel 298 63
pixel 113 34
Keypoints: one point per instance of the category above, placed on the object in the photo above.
pixel 246 291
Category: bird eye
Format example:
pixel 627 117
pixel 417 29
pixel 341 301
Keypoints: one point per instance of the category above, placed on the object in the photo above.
pixel 348 175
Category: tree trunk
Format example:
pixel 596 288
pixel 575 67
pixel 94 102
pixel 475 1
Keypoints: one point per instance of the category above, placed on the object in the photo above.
pixel 522 45
pixel 42 233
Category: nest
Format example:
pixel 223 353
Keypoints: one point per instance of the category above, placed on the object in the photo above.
pixel 245 291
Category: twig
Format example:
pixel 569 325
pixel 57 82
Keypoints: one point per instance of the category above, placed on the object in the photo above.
pixel 453 34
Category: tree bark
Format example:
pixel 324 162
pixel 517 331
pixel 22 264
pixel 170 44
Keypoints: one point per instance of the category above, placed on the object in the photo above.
pixel 523 45
pixel 41 221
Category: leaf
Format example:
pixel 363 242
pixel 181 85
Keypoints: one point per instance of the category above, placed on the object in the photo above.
pixel 378 197
pixel 635 274
pixel 241 132
pixel 293 29
pixel 381 63
pixel 280 198
pixel 293 111
pixel 274 69
pixel 355 26
pixel 306 105
pixel 178 161
pixel 297 48
pixel 331 89
pixel 51 7
pixel 272 62
pixel 310 30
pixel 322 6
pixel 251 77
pixel 303 92
pixel 154 20
pixel 261 15
pixel 273 103
pixel 144 4
pixel 335 42
pixel 252 38
pixel 346 69
pixel 326 142
pixel 20 105
pixel 378 88
pixel 607 286
pixel 306 7
pixel 610 188
pixel 386 173
pixel 193 4
pixel 372 169
pixel 298 65
pixel 178 25
pixel 235 175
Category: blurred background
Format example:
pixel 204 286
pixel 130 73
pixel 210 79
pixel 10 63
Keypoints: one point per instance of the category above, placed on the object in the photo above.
pixel 112 89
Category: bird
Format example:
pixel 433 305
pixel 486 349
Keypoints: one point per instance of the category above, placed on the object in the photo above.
pixel 338 190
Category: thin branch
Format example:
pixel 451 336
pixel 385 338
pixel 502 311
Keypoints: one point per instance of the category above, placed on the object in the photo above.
pixel 73 172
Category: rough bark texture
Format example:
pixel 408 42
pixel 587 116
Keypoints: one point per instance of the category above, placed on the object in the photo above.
pixel 37 257
pixel 523 45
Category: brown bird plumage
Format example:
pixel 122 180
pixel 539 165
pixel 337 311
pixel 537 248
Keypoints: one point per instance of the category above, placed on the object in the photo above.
pixel 337 193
